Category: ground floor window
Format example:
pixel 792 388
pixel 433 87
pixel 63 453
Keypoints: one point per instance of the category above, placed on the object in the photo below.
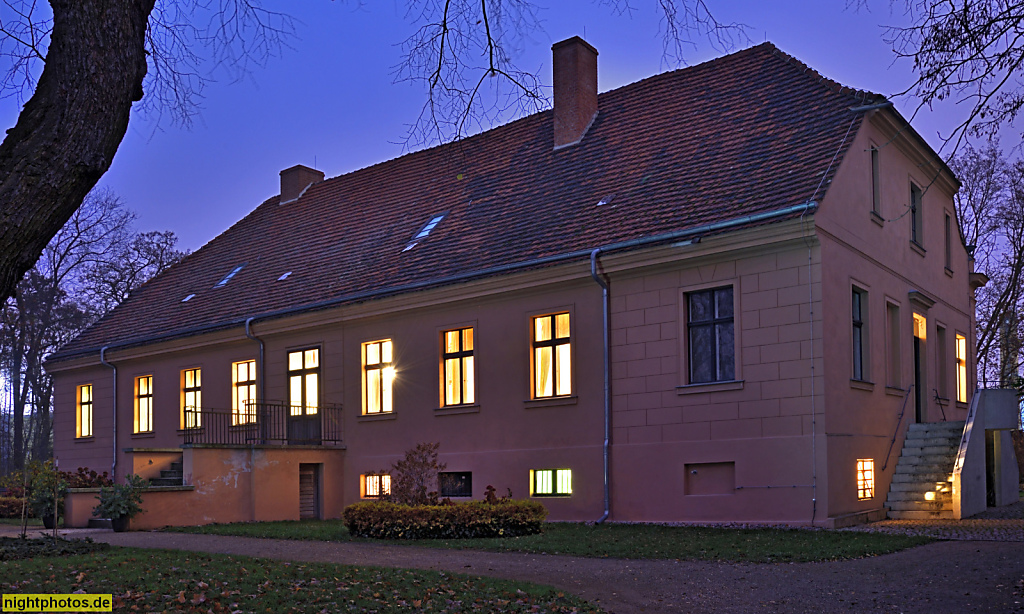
pixel 865 478
pixel 375 486
pixel 455 483
pixel 551 482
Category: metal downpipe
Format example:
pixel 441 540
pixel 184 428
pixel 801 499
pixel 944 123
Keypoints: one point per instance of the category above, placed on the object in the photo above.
pixel 103 361
pixel 607 381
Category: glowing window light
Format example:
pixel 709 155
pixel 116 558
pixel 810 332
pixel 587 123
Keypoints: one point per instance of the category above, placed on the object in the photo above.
pixel 865 478
pixel 378 377
pixel 929 496
pixel 920 327
pixel 458 367
pixel 84 421
pixel 961 368
pixel 191 398
pixel 304 382
pixel 243 398
pixel 551 482
pixel 143 422
pixel 376 486
pixel 552 356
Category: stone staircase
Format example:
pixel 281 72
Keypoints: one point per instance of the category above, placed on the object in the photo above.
pixel 921 486
pixel 169 477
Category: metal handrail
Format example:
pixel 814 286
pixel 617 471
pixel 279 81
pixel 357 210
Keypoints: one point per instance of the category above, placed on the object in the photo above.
pixel 264 423
pixel 895 433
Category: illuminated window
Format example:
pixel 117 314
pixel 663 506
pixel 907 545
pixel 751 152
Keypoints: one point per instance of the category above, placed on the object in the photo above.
pixel 83 421
pixel 144 404
pixel 916 215
pixel 961 368
pixel 865 478
pixel 455 483
pixel 892 324
pixel 304 381
pixel 712 342
pixel 876 182
pixel 552 361
pixel 860 335
pixel 376 486
pixel 191 398
pixel 243 398
pixel 551 482
pixel 457 359
pixel 943 352
pixel 378 377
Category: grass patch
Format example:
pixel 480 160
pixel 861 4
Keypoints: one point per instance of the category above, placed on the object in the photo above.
pixel 159 580
pixel 628 541
pixel 32 522
pixel 14 548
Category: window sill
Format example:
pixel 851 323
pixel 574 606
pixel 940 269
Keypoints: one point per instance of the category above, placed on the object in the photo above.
pixel 452 410
pixel 550 401
pixel 861 384
pixel 198 431
pixel 896 392
pixel 88 439
pixel 710 387
pixel 550 496
pixel 143 435
pixel 948 271
pixel 878 219
pixel 377 417
pixel 961 405
pixel 917 247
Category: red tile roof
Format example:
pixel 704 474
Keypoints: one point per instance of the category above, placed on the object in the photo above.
pixel 748 133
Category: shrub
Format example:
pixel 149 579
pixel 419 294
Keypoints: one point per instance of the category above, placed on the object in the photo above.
pixel 46 495
pixel 121 500
pixel 86 478
pixel 386 520
pixel 10 507
pixel 414 478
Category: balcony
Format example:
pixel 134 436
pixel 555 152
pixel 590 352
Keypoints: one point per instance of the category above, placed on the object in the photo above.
pixel 265 423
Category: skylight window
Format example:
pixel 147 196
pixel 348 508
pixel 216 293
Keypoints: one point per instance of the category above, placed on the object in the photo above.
pixel 422 234
pixel 284 277
pixel 227 278
pixel 188 298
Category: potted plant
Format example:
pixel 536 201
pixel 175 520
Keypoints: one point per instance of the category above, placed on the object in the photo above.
pixel 121 502
pixel 46 495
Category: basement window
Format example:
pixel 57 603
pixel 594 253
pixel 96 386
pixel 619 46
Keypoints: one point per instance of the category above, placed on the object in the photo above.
pixel 422 234
pixel 375 486
pixel 227 278
pixel 865 478
pixel 550 482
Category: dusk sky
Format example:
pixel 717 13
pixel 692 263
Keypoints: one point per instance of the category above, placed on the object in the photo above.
pixel 330 100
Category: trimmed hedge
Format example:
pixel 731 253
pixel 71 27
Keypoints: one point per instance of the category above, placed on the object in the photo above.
pixel 455 521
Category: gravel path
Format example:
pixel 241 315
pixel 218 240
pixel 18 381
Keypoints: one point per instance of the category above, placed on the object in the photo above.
pixel 982 571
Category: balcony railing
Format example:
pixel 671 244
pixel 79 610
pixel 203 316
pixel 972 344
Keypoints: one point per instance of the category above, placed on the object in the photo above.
pixel 266 423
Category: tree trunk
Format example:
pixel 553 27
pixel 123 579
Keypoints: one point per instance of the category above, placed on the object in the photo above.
pixel 70 128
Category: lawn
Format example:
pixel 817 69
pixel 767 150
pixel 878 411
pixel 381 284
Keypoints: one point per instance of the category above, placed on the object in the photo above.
pixel 159 580
pixel 32 522
pixel 629 541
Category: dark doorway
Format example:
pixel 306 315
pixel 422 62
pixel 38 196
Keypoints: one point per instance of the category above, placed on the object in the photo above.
pixel 918 382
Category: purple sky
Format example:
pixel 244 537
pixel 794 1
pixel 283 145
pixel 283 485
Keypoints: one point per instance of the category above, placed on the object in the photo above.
pixel 330 101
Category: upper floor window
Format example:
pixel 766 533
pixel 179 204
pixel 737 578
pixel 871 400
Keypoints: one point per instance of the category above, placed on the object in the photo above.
pixel 191 398
pixel 457 358
pixel 243 398
pixel 83 417
pixel 712 341
pixel 860 337
pixel 943 369
pixel 893 351
pixel 876 182
pixel 948 224
pixel 304 381
pixel 916 216
pixel 961 368
pixel 552 359
pixel 143 404
pixel 378 377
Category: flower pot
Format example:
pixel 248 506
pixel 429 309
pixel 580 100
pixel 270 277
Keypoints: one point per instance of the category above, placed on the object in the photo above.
pixel 120 524
pixel 49 522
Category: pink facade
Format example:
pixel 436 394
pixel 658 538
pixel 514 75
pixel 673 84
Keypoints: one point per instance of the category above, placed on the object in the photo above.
pixel 769 428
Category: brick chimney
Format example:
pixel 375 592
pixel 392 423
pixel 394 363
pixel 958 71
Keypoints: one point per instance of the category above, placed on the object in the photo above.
pixel 296 179
pixel 575 80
